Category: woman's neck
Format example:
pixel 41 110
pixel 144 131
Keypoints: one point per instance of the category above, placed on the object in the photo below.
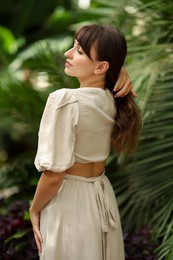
pixel 93 84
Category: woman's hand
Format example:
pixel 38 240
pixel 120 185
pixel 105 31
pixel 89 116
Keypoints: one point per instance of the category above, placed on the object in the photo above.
pixel 48 185
pixel 123 85
pixel 35 220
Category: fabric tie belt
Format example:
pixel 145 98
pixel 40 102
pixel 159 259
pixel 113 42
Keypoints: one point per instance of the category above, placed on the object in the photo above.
pixel 107 218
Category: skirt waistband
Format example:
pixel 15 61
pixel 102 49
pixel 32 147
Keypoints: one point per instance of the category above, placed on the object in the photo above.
pixel 85 179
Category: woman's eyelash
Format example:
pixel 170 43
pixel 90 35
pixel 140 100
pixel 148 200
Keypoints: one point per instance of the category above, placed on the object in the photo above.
pixel 78 48
pixel 79 51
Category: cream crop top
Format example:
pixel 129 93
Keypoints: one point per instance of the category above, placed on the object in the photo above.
pixel 76 126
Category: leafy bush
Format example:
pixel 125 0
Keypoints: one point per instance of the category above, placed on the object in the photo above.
pixel 17 240
pixel 16 237
pixel 139 246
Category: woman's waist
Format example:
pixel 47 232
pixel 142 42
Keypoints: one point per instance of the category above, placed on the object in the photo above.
pixel 88 170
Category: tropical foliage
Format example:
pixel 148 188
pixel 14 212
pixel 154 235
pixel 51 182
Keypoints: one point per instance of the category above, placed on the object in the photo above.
pixel 31 66
pixel 146 189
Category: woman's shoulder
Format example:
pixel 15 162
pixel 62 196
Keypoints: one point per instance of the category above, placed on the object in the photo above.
pixel 62 97
pixel 62 92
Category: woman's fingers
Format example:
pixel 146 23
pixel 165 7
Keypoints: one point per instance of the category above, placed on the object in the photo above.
pixel 35 220
pixel 133 93
pixel 125 89
pixel 38 240
pixel 120 82
pixel 123 85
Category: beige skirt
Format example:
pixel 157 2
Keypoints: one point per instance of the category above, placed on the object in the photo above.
pixel 82 222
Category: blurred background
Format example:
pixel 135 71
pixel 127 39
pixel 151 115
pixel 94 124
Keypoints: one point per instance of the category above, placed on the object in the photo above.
pixel 33 37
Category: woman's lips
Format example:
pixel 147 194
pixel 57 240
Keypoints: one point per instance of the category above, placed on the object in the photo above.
pixel 68 64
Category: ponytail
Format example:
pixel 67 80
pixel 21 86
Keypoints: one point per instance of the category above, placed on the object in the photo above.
pixel 127 125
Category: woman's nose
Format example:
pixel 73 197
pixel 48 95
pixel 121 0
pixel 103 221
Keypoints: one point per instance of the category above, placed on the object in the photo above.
pixel 69 53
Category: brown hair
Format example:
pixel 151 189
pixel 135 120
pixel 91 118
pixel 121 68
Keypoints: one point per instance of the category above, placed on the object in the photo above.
pixel 111 46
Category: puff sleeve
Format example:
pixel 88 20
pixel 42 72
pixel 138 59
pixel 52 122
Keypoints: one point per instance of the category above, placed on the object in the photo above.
pixel 56 137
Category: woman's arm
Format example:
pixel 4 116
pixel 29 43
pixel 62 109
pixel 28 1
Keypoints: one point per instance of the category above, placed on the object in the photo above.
pixel 123 85
pixel 47 187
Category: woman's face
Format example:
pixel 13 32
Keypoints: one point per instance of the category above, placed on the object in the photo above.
pixel 78 64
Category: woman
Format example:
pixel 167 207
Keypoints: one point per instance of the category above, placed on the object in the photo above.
pixel 74 212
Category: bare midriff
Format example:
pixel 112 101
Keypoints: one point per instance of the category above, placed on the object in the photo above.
pixel 87 170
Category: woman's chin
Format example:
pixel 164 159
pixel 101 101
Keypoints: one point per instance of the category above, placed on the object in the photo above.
pixel 68 73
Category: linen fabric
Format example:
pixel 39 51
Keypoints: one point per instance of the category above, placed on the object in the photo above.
pixel 82 222
pixel 76 126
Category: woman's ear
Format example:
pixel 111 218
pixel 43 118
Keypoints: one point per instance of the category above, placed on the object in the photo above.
pixel 102 67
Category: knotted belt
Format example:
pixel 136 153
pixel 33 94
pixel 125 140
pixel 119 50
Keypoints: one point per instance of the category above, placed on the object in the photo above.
pixel 107 218
pixel 106 215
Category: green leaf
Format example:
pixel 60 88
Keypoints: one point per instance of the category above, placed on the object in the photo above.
pixel 17 235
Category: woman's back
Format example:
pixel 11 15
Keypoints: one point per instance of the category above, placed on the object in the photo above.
pixel 79 131
pixel 95 124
